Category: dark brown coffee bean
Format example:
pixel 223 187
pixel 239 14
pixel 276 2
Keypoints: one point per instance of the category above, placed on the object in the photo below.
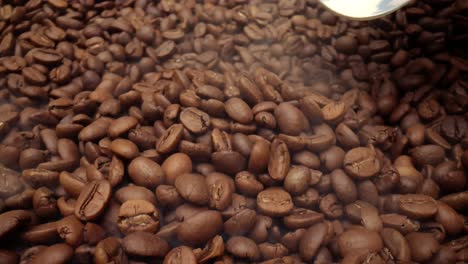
pixel 41 234
pixel 361 163
pixel 397 244
pixel 138 215
pixel 423 246
pixel 297 180
pixel 302 218
pixel 359 239
pixel 93 200
pixel 175 165
pixel 238 110
pixel 170 139
pixel 192 187
pixel 274 201
pixel 124 148
pixel 312 239
pixel 180 255
pixel 241 223
pixel 230 162
pixel 58 253
pixel 109 250
pixel 195 231
pixel 221 188
pixel 346 44
pixel 133 192
pixel 71 230
pixel 427 154
pixel 144 244
pixel 243 247
pixel 195 120
pixel 44 203
pixel 400 222
pixel 259 156
pixel 344 187
pixel 278 164
pixel 146 172
pixel 290 119
pixel 451 221
pixel 418 206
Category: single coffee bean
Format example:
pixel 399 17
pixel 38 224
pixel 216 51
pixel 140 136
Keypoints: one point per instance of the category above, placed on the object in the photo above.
pixel 138 215
pixel 274 201
pixel 297 180
pixel 418 206
pixel 423 246
pixel 397 244
pixel 170 139
pixel 71 230
pixel 278 164
pixel 93 200
pixel 58 253
pixel 180 255
pixel 361 162
pixel 243 247
pixel 144 244
pixel 344 187
pixel 359 239
pixel 302 218
pixel 176 165
pixel 133 192
pixel 193 188
pixel 109 250
pixel 291 120
pixel 195 231
pixel 312 239
pixel 239 110
pixel 145 172
pixel 241 223
pixel 195 120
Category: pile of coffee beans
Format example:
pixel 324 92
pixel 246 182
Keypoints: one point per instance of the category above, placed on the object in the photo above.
pixel 232 131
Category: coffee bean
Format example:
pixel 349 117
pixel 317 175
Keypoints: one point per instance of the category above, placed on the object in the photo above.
pixel 279 161
pixel 423 246
pixel 312 239
pixel 361 163
pixel 243 247
pixel 195 231
pixel 58 253
pixel 138 215
pixel 176 165
pixel 290 119
pixel 92 200
pixel 397 244
pixel 274 201
pixel 145 172
pixel 144 244
pixel 192 187
pixel 359 239
pixel 180 254
pixel 109 249
pixel 195 120
pixel 418 206
pixel 238 110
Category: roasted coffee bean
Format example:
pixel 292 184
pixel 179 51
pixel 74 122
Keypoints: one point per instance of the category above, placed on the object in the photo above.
pixel 195 120
pixel 138 215
pixel 312 239
pixel 144 244
pixel 58 253
pixel 279 161
pixel 239 110
pixel 274 201
pixel 418 206
pixel 176 165
pixel 93 200
pixel 145 172
pixel 291 120
pixel 110 250
pixel 361 163
pixel 243 247
pixel 359 239
pixel 195 231
pixel 193 188
pixel 423 246
pixel 180 254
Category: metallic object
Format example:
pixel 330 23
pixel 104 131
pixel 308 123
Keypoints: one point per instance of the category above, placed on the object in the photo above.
pixel 363 9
